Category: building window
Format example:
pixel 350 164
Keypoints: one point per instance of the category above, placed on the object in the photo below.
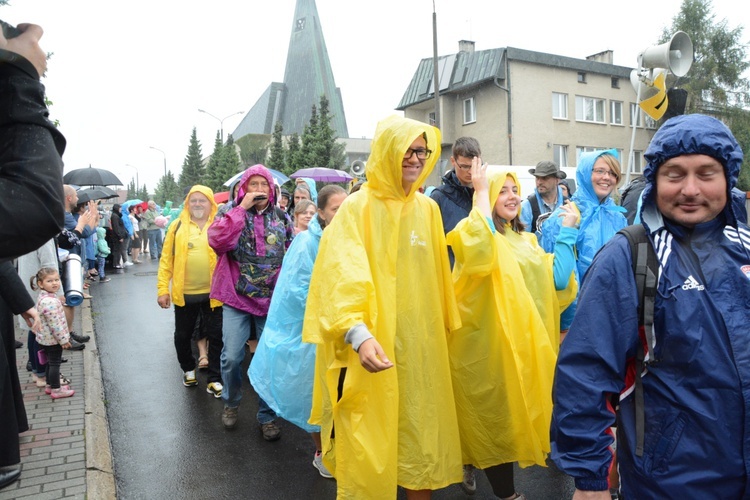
pixel 584 149
pixel 650 122
pixel 581 77
pixel 615 112
pixel 589 109
pixel 637 162
pixel 431 119
pixel 470 111
pixel 560 154
pixel 559 106
pixel 615 82
pixel 635 115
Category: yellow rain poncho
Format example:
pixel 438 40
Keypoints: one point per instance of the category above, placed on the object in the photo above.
pixel 503 357
pixel 383 262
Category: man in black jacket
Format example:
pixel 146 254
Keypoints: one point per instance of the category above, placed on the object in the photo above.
pixel 454 196
pixel 31 209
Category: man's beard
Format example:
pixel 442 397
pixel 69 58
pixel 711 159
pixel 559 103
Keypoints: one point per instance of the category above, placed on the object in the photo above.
pixel 198 213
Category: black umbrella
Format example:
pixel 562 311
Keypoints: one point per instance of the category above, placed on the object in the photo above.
pixel 92 177
pixel 95 193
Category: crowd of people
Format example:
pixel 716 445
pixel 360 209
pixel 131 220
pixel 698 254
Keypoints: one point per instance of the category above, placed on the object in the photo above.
pixel 421 339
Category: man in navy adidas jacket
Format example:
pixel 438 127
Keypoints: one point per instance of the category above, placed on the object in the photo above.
pixel 697 390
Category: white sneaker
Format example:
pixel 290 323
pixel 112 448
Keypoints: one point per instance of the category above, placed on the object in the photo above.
pixel 188 379
pixel 469 483
pixel 318 463
pixel 128 263
pixel 215 388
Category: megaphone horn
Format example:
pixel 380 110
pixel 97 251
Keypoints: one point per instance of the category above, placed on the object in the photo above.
pixel 357 168
pixel 675 55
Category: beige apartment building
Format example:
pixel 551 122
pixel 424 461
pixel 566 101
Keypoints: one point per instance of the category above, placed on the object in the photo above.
pixel 526 106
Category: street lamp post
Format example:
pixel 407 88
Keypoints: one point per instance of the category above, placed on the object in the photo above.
pixel 137 181
pixel 165 159
pixel 221 121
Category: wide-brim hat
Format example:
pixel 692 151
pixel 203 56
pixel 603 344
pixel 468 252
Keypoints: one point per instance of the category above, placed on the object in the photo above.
pixel 546 168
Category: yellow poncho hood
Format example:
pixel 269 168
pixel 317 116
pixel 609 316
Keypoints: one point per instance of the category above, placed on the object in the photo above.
pixel 383 262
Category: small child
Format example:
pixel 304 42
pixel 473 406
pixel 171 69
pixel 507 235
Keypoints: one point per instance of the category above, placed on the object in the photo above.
pixel 102 252
pixel 53 336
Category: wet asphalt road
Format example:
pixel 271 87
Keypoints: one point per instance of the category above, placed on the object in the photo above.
pixel 168 441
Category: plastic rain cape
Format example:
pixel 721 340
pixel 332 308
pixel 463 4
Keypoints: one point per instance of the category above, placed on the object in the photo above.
pixel 283 367
pixel 600 220
pixel 503 357
pixel 383 262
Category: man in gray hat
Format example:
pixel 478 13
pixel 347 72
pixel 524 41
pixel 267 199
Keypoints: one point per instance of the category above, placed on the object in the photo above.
pixel 546 197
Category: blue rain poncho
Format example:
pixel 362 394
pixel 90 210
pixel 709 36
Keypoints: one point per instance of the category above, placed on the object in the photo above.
pixel 283 367
pixel 599 220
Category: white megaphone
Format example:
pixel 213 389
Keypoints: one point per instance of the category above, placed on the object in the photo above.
pixel 357 168
pixel 676 55
pixel 646 82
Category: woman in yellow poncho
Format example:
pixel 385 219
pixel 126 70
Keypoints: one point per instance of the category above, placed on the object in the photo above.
pixel 503 357
pixel 382 283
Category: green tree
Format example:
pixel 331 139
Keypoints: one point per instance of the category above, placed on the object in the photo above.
pixel 230 161
pixel 142 193
pixel 214 173
pixel 738 121
pixel 132 194
pixel 253 148
pixel 168 190
pixel 293 154
pixel 308 152
pixel 193 171
pixel 329 152
pixel 276 158
pixel 715 79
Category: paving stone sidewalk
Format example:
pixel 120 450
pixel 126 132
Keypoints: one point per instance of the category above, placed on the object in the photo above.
pixel 66 451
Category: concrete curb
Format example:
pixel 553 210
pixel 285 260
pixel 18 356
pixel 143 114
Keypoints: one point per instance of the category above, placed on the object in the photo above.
pixel 100 478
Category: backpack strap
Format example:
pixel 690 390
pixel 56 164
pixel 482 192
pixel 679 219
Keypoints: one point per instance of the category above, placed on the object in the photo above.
pixel 645 270
pixel 174 236
pixel 535 211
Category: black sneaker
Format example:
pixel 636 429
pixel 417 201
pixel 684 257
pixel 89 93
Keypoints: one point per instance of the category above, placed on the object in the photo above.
pixel 105 279
pixel 82 339
pixel 19 344
pixel 76 346
pixel 271 431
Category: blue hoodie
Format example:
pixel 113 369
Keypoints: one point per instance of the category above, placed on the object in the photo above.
pixel 697 386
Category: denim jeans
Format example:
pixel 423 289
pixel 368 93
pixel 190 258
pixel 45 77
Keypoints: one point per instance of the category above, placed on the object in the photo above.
pixel 154 243
pixel 37 368
pixel 100 261
pixel 236 332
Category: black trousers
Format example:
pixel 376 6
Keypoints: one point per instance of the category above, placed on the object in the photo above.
pixel 12 411
pixel 54 360
pixel 501 479
pixel 198 314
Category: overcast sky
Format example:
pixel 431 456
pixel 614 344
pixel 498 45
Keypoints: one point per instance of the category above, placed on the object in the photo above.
pixel 128 75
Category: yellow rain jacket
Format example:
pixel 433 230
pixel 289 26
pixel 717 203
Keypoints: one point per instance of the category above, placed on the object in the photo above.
pixel 503 357
pixel 383 262
pixel 172 264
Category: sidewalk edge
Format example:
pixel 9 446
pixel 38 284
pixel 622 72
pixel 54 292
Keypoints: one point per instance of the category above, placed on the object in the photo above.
pixel 100 479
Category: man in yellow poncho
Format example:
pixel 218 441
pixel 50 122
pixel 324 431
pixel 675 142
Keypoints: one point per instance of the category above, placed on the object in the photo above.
pixel 509 294
pixel 382 284
pixel 188 262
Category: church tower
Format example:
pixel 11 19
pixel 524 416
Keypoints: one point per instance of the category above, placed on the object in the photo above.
pixel 308 75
